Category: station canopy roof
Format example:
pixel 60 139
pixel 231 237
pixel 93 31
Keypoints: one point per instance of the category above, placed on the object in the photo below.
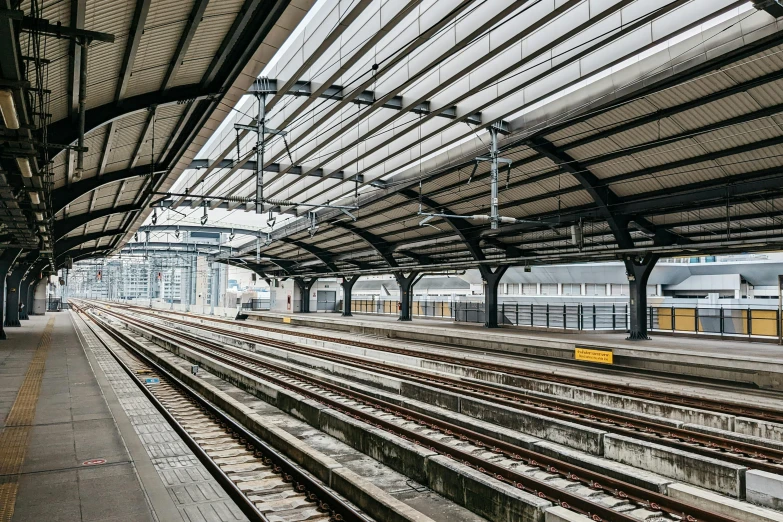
pixel 155 92
pixel 630 127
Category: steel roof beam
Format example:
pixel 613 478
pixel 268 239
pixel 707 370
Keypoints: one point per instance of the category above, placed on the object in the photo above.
pixel 142 137
pixel 78 8
pixel 198 228
pixel 108 142
pixel 132 47
pixel 63 196
pixel 773 7
pixel 69 243
pixel 685 75
pixel 381 246
pixel 319 253
pixel 64 132
pixel 466 231
pixel 63 227
pixel 188 32
pixel 274 167
pixel 366 98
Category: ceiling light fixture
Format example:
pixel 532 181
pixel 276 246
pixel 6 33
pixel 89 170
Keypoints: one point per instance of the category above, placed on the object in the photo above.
pixel 8 109
pixel 24 167
pixel 39 216
pixel 35 199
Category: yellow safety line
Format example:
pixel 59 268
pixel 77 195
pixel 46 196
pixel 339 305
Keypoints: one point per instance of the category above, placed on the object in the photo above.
pixel 15 438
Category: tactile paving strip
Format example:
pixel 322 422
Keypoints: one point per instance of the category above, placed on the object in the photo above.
pixel 15 437
pixel 197 495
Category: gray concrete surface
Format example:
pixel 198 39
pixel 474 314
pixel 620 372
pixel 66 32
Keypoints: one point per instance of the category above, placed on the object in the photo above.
pixel 765 489
pixel 73 424
pixel 761 364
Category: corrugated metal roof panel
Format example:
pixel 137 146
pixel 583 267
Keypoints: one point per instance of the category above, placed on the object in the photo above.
pixel 741 134
pixel 623 113
pixel 766 158
pixel 736 105
pixel 768 94
pixel 766 63
pixel 571 133
pixel 691 90
pixel 216 22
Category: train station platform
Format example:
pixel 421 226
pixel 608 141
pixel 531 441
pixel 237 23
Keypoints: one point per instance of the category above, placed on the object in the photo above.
pixel 702 357
pixel 71 446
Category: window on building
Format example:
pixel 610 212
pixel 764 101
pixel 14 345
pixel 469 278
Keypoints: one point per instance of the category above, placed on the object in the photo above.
pixel 595 289
pixel 549 289
pixel 572 289
pixel 512 288
pixel 620 289
pixel 529 289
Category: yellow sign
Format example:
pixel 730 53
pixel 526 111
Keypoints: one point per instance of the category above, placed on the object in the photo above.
pixel 287 320
pixel 596 356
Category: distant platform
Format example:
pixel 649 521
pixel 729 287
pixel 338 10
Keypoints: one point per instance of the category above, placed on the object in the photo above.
pixel 748 363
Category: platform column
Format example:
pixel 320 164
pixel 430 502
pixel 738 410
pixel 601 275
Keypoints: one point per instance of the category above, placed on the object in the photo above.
pixel 37 292
pixel 6 260
pixel 304 293
pixel 347 285
pixel 638 270
pixel 491 282
pixel 24 284
pixel 406 284
pixel 12 281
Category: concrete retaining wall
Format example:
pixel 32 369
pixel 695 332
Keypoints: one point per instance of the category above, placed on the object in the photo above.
pixel 392 451
pixel 713 474
pixel 764 374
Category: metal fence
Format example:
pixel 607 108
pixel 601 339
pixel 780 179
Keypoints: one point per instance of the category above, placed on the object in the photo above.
pixel 442 309
pixel 758 321
pixel 732 321
pixel 54 304
pixel 257 304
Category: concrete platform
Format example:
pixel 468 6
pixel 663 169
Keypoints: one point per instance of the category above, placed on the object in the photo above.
pixel 78 456
pixel 754 364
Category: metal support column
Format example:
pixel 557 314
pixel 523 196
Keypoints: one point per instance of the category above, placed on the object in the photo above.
pixel 82 109
pixel 493 154
pixel 304 293
pixel 347 285
pixel 24 285
pixel 491 282
pixel 406 284
pixel 12 297
pixel 6 260
pixel 638 271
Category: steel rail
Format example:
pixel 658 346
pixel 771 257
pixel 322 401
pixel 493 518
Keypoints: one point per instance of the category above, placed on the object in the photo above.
pixel 301 480
pixel 647 430
pixel 643 497
pixel 741 410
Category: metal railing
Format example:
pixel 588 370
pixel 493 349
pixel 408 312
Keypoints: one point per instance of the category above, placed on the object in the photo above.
pixel 257 304
pixel 442 309
pixel 569 316
pixel 718 320
pixel 757 321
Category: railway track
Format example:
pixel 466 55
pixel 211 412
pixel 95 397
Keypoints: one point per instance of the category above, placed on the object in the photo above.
pixel 738 409
pixel 593 494
pixel 263 483
pixel 737 452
